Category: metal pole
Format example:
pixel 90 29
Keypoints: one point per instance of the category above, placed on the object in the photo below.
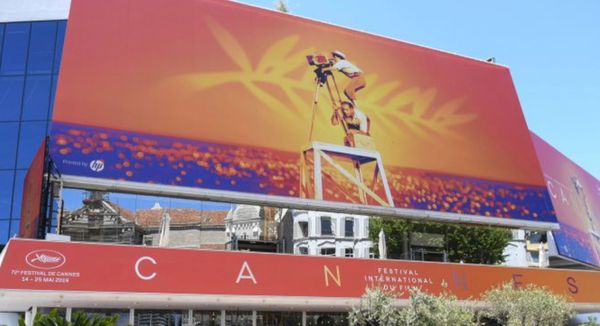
pixel 315 105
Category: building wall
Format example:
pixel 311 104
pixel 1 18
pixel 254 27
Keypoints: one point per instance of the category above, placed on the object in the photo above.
pixel 194 238
pixel 315 240
pixel 30 54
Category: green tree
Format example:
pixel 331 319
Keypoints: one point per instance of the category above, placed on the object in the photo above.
pixel 477 244
pixel 424 309
pixel 470 244
pixel 376 308
pixel 282 6
pixel 528 306
pixel 79 319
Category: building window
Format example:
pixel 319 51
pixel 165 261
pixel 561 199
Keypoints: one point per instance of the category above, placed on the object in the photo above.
pixel 327 251
pixel 147 240
pixel 303 226
pixel 326 226
pixel 303 250
pixel 349 227
pixel 349 252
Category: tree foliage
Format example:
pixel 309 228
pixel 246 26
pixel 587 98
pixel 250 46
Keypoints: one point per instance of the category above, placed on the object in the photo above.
pixel 376 309
pixel 53 318
pixel 469 244
pixel 505 305
pixel 428 310
pixel 475 244
pixel 282 6
pixel 528 306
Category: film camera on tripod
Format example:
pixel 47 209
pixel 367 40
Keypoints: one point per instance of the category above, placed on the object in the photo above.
pixel 355 123
pixel 321 62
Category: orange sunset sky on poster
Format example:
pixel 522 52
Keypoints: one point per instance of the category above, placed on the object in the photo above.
pixel 211 71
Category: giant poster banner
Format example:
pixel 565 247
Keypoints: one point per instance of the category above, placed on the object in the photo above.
pixel 32 195
pixel 576 198
pixel 63 266
pixel 227 97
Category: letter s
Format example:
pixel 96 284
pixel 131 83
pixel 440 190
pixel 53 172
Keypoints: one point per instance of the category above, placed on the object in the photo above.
pixel 572 285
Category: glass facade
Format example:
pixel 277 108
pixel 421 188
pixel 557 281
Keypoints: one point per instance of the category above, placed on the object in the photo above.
pixel 30 54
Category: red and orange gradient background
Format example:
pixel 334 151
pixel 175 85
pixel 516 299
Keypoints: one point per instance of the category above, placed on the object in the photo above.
pixel 574 239
pixel 216 94
pixel 146 66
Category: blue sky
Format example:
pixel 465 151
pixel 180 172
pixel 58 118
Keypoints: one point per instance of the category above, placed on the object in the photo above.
pixel 552 49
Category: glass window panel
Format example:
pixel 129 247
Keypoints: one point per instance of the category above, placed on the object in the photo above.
pixel 6 186
pixel 14 227
pixel 238 318
pixel 52 95
pixel 37 98
pixel 4 231
pixel 158 317
pixel 1 39
pixel 41 47
pixel 206 318
pixel 326 227
pixel 349 227
pixel 326 318
pixel 14 50
pixel 18 193
pixel 32 135
pixel 8 144
pixel 11 94
pixel 60 40
pixel 283 318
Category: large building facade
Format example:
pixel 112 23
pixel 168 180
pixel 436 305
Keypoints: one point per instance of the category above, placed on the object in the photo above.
pixel 30 55
pixel 236 288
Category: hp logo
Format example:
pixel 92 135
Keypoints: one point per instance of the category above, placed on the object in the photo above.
pixel 97 165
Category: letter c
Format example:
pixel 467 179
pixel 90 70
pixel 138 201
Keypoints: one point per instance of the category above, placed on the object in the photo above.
pixel 137 268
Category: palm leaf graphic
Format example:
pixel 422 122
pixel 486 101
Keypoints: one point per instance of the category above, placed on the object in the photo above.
pixel 230 45
pixel 423 102
pixel 408 110
pixel 382 91
pixel 448 109
pixel 404 98
pixel 277 53
pixel 292 62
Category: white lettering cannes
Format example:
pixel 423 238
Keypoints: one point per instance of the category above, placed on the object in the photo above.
pixel 247 275
pixel 137 268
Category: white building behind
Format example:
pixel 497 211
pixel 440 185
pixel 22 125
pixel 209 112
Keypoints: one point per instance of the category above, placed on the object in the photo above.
pixel 327 234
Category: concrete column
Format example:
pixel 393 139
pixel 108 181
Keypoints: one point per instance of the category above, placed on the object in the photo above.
pixel 304 318
pixel 68 314
pixel 223 318
pixel 190 320
pixel 131 316
pixel 30 316
pixel 253 317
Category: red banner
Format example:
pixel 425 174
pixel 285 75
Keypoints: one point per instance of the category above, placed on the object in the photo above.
pixel 575 195
pixel 63 266
pixel 32 195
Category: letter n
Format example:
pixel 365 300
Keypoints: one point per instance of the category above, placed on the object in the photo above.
pixel 336 278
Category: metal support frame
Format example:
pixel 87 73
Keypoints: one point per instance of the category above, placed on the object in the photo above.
pixel 322 151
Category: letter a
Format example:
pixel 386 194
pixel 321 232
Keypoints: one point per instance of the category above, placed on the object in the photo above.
pixel 337 280
pixel 248 276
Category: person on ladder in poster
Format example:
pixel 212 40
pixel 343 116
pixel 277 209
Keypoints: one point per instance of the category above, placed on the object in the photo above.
pixel 356 122
pixel 357 78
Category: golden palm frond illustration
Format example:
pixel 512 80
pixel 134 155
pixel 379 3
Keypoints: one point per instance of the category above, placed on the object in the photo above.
pixel 390 106
pixel 394 108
